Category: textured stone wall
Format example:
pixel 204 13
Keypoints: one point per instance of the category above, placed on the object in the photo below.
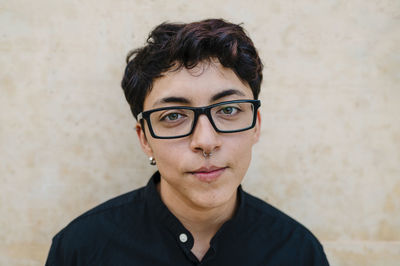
pixel 329 153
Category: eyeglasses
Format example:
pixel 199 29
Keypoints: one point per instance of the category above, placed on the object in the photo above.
pixel 179 121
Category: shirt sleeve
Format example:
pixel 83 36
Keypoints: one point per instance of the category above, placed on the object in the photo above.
pixel 60 254
pixel 313 253
pixel 54 256
pixel 320 257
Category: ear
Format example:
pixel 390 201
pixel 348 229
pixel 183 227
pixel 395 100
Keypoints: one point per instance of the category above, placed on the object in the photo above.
pixel 143 140
pixel 257 128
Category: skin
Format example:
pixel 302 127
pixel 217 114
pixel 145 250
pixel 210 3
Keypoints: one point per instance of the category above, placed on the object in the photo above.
pixel 201 206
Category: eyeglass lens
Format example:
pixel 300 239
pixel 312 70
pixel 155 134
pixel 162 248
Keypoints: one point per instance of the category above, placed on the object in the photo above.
pixel 226 117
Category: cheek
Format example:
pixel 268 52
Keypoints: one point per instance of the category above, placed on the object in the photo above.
pixel 240 150
pixel 168 155
pixel 243 157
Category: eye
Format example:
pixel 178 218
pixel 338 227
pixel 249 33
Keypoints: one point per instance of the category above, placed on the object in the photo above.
pixel 229 110
pixel 171 117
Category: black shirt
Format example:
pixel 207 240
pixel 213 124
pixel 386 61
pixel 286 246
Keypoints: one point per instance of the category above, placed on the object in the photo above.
pixel 138 229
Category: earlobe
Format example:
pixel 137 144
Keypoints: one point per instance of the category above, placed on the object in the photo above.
pixel 143 140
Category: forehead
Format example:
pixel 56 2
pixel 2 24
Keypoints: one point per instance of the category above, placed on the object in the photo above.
pixel 202 85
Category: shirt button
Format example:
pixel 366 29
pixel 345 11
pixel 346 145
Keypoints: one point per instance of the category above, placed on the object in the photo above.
pixel 183 237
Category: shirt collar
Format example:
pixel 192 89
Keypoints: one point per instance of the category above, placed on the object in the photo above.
pixel 163 217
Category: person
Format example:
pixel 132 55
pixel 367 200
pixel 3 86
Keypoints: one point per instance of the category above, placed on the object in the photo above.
pixel 193 89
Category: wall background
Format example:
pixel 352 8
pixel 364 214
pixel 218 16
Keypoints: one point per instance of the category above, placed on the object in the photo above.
pixel 329 153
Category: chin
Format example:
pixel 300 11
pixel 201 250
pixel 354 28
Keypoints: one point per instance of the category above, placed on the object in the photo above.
pixel 212 199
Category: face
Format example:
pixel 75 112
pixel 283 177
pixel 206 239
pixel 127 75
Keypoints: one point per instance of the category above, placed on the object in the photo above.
pixel 198 181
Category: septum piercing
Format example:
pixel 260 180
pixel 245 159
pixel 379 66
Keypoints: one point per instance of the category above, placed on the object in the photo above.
pixel 205 154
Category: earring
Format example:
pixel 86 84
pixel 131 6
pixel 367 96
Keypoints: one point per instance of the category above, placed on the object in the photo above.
pixel 152 161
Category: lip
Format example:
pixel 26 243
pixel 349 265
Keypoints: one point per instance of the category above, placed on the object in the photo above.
pixel 208 174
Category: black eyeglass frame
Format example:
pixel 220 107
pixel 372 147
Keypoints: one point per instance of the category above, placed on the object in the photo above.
pixel 197 112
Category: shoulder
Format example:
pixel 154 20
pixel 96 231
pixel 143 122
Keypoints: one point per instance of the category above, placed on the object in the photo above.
pixel 114 204
pixel 97 224
pixel 124 203
pixel 261 211
pixel 280 230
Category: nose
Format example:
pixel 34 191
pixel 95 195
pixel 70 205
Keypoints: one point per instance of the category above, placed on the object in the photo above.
pixel 204 137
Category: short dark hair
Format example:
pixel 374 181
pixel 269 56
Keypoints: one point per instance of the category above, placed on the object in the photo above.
pixel 185 45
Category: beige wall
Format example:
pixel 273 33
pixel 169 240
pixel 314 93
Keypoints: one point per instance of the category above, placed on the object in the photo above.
pixel 329 153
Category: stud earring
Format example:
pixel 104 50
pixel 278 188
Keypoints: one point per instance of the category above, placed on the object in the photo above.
pixel 152 161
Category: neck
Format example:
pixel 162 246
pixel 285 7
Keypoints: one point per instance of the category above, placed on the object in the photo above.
pixel 202 222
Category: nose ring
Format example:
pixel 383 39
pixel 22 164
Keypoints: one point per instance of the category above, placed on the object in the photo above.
pixel 205 154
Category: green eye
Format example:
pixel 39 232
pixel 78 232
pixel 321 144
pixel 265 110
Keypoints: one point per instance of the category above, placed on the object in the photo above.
pixel 229 110
pixel 171 117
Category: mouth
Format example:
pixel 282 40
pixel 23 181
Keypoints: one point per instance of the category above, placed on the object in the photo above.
pixel 208 174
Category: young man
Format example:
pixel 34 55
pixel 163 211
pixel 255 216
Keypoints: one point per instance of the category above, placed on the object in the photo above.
pixel 193 90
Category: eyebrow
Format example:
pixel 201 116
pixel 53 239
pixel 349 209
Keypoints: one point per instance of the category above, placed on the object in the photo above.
pixel 183 100
pixel 173 99
pixel 225 93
